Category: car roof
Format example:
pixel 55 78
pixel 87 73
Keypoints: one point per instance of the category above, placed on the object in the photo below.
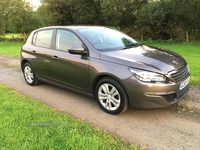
pixel 75 27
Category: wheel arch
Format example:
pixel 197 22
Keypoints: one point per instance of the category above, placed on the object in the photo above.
pixel 100 77
pixel 23 62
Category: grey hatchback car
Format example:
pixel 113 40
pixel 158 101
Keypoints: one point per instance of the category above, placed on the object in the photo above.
pixel 106 64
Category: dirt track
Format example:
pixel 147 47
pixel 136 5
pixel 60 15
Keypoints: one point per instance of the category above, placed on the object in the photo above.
pixel 163 129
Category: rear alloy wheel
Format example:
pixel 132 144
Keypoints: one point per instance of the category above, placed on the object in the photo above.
pixel 111 96
pixel 29 74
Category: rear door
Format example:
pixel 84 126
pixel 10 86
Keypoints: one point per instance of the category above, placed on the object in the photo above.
pixel 70 70
pixel 42 49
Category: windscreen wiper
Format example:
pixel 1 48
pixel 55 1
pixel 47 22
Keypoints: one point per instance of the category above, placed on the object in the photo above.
pixel 132 45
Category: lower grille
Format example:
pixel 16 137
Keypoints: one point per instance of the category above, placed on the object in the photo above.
pixel 181 93
pixel 173 98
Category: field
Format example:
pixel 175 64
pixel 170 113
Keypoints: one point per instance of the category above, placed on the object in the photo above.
pixel 10 49
pixel 29 124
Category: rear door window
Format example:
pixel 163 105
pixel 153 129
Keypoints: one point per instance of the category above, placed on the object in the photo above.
pixel 43 38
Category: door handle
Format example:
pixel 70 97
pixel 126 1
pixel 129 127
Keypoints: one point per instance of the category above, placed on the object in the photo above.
pixel 34 52
pixel 55 57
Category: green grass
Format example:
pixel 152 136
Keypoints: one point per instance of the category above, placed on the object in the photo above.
pixel 191 52
pixel 28 124
pixel 10 49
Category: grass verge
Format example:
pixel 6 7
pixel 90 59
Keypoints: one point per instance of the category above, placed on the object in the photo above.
pixel 28 124
pixel 10 49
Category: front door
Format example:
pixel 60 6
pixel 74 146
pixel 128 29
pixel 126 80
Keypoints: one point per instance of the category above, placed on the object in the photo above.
pixel 68 69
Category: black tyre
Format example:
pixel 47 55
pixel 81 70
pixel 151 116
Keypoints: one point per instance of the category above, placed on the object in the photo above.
pixel 29 75
pixel 111 96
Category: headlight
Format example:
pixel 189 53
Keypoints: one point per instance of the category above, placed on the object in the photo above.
pixel 147 76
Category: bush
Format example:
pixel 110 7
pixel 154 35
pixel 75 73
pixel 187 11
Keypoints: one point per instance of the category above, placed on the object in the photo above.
pixel 17 39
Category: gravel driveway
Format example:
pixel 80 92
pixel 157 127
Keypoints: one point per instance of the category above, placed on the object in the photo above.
pixel 173 128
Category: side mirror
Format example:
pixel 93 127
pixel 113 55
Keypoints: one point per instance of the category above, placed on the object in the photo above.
pixel 76 50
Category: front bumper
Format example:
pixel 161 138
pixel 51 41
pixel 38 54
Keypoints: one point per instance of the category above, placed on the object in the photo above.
pixel 153 95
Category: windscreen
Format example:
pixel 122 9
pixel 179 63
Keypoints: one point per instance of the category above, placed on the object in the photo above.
pixel 107 39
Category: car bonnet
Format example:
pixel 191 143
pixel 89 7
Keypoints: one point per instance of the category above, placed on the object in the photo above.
pixel 146 58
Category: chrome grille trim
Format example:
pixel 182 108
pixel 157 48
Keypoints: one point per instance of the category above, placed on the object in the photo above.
pixel 181 74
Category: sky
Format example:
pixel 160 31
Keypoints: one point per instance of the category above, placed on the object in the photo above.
pixel 34 3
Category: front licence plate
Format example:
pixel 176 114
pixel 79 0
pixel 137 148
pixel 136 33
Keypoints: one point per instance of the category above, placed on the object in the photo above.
pixel 184 83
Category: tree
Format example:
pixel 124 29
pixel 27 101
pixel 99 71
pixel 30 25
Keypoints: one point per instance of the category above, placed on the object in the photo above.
pixel 66 12
pixel 150 20
pixel 121 13
pixel 18 17
pixel 43 15
pixel 111 12
pixel 85 12
pixel 161 19
pixel 100 12
pixel 169 19
pixel 4 7
pixel 22 18
pixel 56 12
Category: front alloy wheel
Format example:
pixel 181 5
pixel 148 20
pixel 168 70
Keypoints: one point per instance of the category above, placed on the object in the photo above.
pixel 111 96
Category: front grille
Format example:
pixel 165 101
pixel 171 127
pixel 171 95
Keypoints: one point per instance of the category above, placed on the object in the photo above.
pixel 180 74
